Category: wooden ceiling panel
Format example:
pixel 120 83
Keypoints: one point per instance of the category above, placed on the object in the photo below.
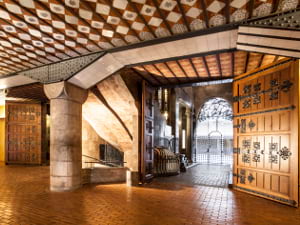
pixel 213 65
pixel 254 61
pixel 240 61
pixel 199 65
pixel 188 68
pixel 268 59
pixel 226 64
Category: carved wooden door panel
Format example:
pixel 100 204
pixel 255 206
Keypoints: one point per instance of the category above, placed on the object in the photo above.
pixel 266 133
pixel 147 148
pixel 23 133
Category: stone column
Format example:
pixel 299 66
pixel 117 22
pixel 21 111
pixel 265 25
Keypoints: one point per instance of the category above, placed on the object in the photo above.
pixel 65 135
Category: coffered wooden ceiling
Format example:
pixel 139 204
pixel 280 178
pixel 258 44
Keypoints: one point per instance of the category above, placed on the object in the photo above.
pixel 37 32
pixel 206 68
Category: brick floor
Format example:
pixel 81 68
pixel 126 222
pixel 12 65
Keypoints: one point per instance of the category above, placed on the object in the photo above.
pixel 213 175
pixel 26 200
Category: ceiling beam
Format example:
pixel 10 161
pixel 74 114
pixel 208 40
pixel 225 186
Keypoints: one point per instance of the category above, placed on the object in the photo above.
pixel 219 65
pixel 194 68
pixel 137 72
pixel 162 16
pixel 247 61
pixel 183 15
pixel 276 58
pixel 227 11
pixel 275 6
pixel 162 74
pixel 232 63
pixel 144 67
pixel 251 8
pixel 170 70
pixel 21 66
pixel 261 60
pixel 203 6
pixel 206 67
pixel 184 72
pixel 195 84
pixel 132 5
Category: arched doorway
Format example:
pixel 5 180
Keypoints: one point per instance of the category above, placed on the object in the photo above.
pixel 214 133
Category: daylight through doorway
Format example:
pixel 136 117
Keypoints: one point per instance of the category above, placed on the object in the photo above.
pixel 214 133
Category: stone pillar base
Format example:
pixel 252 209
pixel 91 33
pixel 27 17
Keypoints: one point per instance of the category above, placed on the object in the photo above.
pixel 132 178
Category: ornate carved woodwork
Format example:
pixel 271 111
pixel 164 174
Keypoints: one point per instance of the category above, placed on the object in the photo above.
pixel 269 140
pixel 23 133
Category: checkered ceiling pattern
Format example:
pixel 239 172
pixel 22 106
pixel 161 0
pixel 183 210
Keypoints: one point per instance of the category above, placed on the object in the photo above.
pixel 204 68
pixel 37 32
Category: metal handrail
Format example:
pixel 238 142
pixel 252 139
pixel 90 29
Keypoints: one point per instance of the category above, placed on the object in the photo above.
pixel 103 162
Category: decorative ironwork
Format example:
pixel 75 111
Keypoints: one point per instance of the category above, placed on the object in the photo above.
pixel 243 125
pixel 242 176
pixel 273 147
pixel 274 83
pixel 256 99
pixel 246 103
pixel 247 144
pixel 273 95
pixel 250 178
pixel 256 145
pixel 61 70
pixel 273 159
pixel 247 89
pixel 251 124
pixel 284 153
pixel 257 87
pixel 286 85
pixel 288 201
pixel 246 158
pixel 256 158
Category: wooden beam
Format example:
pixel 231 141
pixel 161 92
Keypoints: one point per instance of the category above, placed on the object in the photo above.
pixel 167 78
pixel 37 28
pixel 261 60
pixel 15 64
pixel 206 66
pixel 100 17
pixel 203 6
pixel 247 61
pixel 152 74
pixel 182 69
pixel 183 15
pixel 232 63
pixel 116 11
pixel 275 6
pixel 141 17
pixel 171 71
pixel 276 58
pixel 219 64
pixel 251 8
pixel 137 72
pixel 194 68
pixel 227 11
pixel 162 16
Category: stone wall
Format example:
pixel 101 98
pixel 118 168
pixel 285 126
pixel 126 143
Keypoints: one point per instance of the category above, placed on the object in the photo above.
pixel 90 141
pixel 104 175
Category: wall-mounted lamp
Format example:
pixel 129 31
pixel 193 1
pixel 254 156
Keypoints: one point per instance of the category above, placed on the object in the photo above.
pixel 166 115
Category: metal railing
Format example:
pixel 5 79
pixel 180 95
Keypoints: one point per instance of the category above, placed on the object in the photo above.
pixel 90 162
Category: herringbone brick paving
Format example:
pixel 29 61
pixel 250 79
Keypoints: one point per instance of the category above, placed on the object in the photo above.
pixel 25 199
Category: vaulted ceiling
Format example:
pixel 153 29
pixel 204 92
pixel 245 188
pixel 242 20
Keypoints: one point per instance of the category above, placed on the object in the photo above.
pixel 34 33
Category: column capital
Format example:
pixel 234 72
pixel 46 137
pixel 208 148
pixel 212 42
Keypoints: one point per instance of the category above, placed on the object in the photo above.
pixel 65 90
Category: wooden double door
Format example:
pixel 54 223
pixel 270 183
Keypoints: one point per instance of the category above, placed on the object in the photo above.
pixel 266 133
pixel 23 133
